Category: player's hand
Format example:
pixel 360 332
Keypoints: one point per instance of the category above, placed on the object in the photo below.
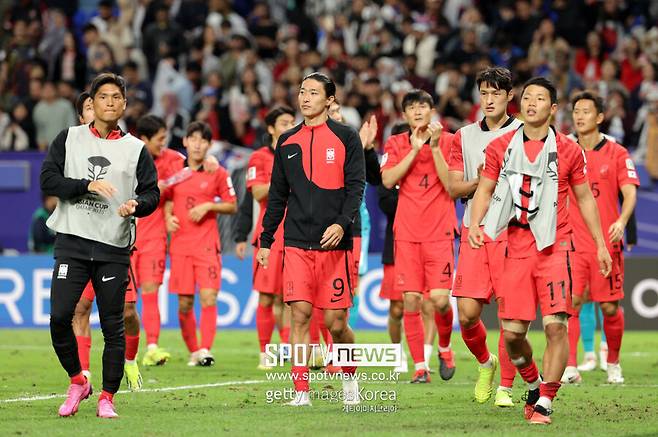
pixel 418 138
pixel 103 188
pixel 475 237
pixel 198 212
pixel 172 224
pixel 616 231
pixel 241 249
pixel 128 208
pixel 368 132
pixel 263 257
pixel 210 164
pixel 332 236
pixel 605 262
pixel 435 129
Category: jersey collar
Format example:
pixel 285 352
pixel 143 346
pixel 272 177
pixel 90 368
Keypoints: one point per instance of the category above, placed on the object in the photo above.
pixel 485 127
pixel 112 135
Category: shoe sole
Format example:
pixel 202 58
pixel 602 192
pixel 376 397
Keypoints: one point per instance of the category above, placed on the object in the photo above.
pixel 207 362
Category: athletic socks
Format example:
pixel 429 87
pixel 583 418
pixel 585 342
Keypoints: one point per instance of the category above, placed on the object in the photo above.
pixel 208 326
pixel 587 318
pixel 264 325
pixel 151 317
pixel 507 369
pixel 187 323
pixel 530 374
pixel 614 331
pixel 547 391
pixel 78 379
pixel 427 353
pixel 574 335
pixel 444 327
pixel 84 350
pixel 300 378
pixel 413 330
pixel 475 339
pixel 132 344
pixel 284 333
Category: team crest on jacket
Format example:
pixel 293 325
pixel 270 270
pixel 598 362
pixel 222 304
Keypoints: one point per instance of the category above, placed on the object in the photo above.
pixel 331 155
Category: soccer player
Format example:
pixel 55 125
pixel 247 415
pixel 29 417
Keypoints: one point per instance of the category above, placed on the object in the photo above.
pixel 479 271
pixel 268 282
pixel 317 182
pixel 103 177
pixel 524 185
pixel 610 171
pixel 425 224
pixel 191 217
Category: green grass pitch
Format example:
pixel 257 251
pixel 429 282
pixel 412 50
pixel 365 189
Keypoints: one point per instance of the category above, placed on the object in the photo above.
pixel 178 400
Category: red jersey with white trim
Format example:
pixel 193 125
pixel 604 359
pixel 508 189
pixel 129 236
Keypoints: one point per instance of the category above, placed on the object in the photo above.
pixel 202 237
pixel 153 227
pixel 609 167
pixel 259 172
pixel 571 171
pixel 425 210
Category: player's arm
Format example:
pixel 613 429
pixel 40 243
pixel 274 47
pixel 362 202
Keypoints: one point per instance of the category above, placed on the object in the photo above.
pixel 458 187
pixel 479 208
pixel 388 200
pixel 148 193
pixel 277 200
pixel 259 191
pixel 355 180
pixel 52 179
pixel 590 213
pixel 392 175
pixel 171 220
pixel 244 221
pixel 616 230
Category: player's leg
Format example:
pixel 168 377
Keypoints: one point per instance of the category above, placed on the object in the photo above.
pixel 336 320
pixel 208 324
pixel 110 281
pixel 613 325
pixel 155 355
pixel 507 374
pixel 587 318
pixel 69 279
pixel 603 345
pixel 413 331
pixel 82 327
pixel 264 324
pixel 132 326
pixel 187 323
pixel 581 273
pixel 395 313
pixel 429 328
pixel 301 312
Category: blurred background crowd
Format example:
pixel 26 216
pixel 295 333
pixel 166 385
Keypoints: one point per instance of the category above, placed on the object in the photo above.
pixel 226 62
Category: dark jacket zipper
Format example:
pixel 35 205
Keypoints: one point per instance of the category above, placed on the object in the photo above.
pixel 311 186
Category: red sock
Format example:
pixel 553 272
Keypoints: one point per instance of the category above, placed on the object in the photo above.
pixel 151 317
pixel 529 373
pixel 613 326
pixel 84 350
pixel 78 379
pixel 475 338
pixel 132 344
pixel 444 327
pixel 106 395
pixel 264 325
pixel 574 336
pixel 413 330
pixel 284 333
pixel 549 389
pixel 507 369
pixel 349 370
pixel 326 335
pixel 314 329
pixel 300 378
pixel 209 326
pixel 187 323
pixel 318 316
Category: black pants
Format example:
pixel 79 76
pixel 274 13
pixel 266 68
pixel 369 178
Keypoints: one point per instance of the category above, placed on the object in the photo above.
pixel 110 280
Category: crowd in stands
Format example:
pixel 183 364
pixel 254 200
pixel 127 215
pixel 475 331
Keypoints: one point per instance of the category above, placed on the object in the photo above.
pixel 227 62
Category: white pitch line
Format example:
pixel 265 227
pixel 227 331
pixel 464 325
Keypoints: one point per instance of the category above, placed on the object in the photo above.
pixel 147 390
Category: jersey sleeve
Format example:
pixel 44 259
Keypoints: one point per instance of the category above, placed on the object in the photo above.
pixel 626 171
pixel 493 159
pixel 257 174
pixel 225 189
pixel 456 158
pixel 391 156
pixel 578 169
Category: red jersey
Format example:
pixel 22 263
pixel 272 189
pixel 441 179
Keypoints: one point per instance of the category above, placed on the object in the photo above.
pixel 609 167
pixel 153 227
pixel 202 237
pixel 259 172
pixel 571 171
pixel 425 210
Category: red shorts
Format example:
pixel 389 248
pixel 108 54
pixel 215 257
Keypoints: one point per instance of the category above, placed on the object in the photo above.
pixel 423 266
pixel 479 271
pixel 131 292
pixel 149 262
pixel 387 289
pixel 543 278
pixel 189 271
pixel 587 277
pixel 323 278
pixel 269 280
pixel 356 255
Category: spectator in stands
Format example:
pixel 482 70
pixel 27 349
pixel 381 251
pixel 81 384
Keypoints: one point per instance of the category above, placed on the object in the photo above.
pixel 41 237
pixel 12 136
pixel 51 115
pixel 162 39
pixel 70 64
